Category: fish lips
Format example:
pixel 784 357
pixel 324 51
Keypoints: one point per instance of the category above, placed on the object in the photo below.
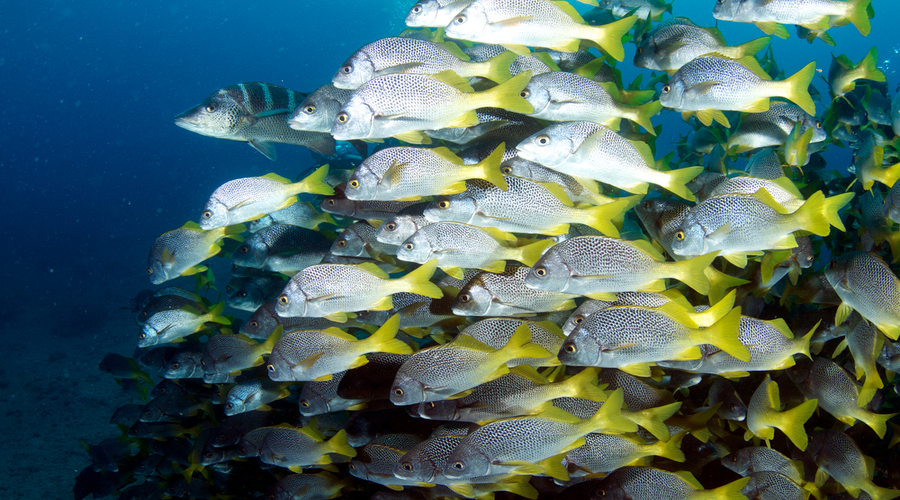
pixel 196 120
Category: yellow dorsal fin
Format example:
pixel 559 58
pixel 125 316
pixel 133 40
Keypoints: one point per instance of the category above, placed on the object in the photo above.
pixel 752 64
pixel 341 334
pixel 371 268
pixel 272 176
pixel 557 191
pixel 569 10
pixel 469 342
pixel 455 50
pixel 648 248
pixel 446 154
pixel 528 372
pixel 193 226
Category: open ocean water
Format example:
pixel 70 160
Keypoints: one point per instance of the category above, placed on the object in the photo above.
pixel 93 169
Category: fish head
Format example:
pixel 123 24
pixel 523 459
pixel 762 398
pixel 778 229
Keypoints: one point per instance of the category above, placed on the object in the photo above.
pixel 253 252
pixel 395 231
pixel 356 70
pixel 215 214
pixel 837 273
pixel 247 298
pixel 311 402
pixel 473 300
pixel 151 412
pixel 358 469
pixel 728 10
pixel 260 324
pixel 690 239
pixel 219 115
pixel 472 23
pixel 424 13
pixel 739 461
pixel 538 94
pixel 349 244
pixel 238 402
pixel 438 410
pixel 467 461
pixel 150 334
pixel 280 366
pixel 179 367
pixel 451 208
pixel 406 390
pixel 416 465
pixel 416 248
pixel 363 184
pixel 160 263
pixel 644 56
pixel 550 272
pixel 672 93
pixel 579 349
pixel 549 147
pixel 261 223
pixel 356 120
pixel 293 301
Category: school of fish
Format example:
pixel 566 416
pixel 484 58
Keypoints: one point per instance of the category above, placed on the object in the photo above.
pixel 498 283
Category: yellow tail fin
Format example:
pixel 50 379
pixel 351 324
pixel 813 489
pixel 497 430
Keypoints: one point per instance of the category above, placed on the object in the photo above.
pixel 601 217
pixel 725 333
pixel 678 179
pixel 384 339
pixel 731 491
pixel 812 217
pixel 692 272
pixel 609 36
pixel 653 419
pixel 671 449
pixel 877 422
pixel 490 168
pixel 496 68
pixel 609 419
pixel 583 385
pixel 791 422
pixel 521 347
pixel 858 15
pixel 752 47
pixel 641 114
pixel 338 444
pixel 796 88
pixel 506 95
pixel 314 183
pixel 418 281
pixel 719 283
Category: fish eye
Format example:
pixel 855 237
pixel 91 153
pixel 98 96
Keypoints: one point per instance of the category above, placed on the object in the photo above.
pixel 460 19
pixel 416 9
pixel 406 466
pixel 506 170
pixel 600 492
pixel 464 297
pixel 524 94
pixel 284 300
pixel 242 294
pixel 142 335
pixel 666 88
pixel 176 365
pixel 347 69
pixel 330 201
pixel 540 272
pixel 343 117
pixel 206 214
pixel 254 324
pixel 458 465
pixel 639 50
pixel 244 249
pixel 430 404
pixel 351 466
pixel 570 348
pixel 229 405
pixel 543 140
pixel 819 125
pixel 342 243
pixel 409 246
pixel 304 403
pixel 144 313
pixel 398 392
pixel 354 183
pixel 149 271
pixel 646 204
pixel 679 235
pixel 211 107
pixel 578 319
pixel 443 204
pixel 270 367
pixel 208 454
pixel 390 226
pixel 309 109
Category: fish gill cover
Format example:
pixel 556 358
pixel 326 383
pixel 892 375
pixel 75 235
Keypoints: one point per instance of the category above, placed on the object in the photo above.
pixel 497 282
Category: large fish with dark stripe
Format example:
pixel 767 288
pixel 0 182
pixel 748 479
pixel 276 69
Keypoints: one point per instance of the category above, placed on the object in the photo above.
pixel 256 113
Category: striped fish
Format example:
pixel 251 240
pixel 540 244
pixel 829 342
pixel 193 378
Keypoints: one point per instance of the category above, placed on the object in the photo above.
pixel 255 113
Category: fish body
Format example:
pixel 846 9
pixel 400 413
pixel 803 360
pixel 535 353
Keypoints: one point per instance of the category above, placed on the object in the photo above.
pixel 294 448
pixel 764 415
pixel 405 173
pixel 331 290
pixel 535 23
pixel 603 155
pixel 494 125
pixel 506 294
pixel 281 247
pixel 640 8
pixel 525 206
pixel 255 292
pixel 646 483
pixel 319 486
pixel 301 214
pixel 317 112
pixel 402 105
pixel 409 55
pixel 562 96
pixel 773 127
pixel 839 456
pixel 319 354
pixel 397 227
pixel 358 240
pixel 580 191
pixel 782 190
pixel 458 245
pixel 496 333
pixel 866 284
pixel 837 393
pixel 677 41
pixel 225 353
pixel 252 394
pixel 713 83
pixel 434 374
pixel 738 224
pixel 813 14
pixel 754 459
pixel 608 452
pixel 170 326
pixel 255 113
pixel 595 264
pixel 520 444
pixel 179 252
pixel 250 198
